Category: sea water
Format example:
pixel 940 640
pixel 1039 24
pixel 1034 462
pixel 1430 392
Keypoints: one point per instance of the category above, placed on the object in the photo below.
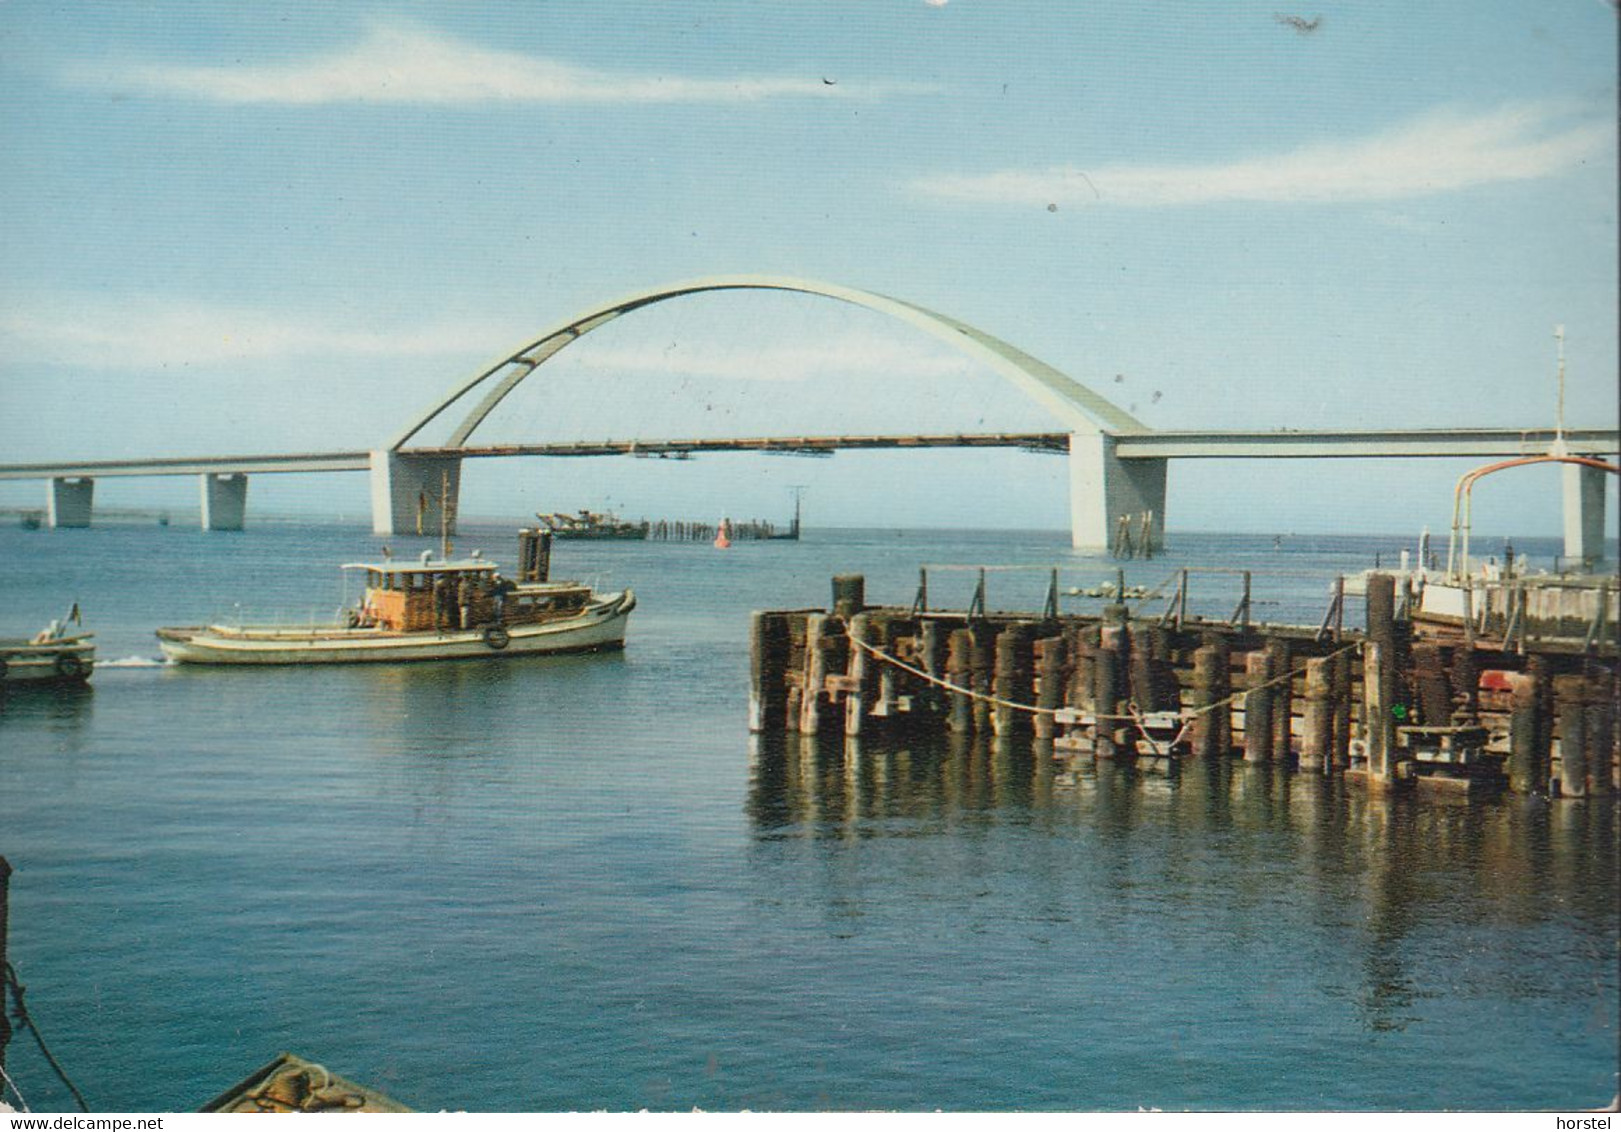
pixel 578 883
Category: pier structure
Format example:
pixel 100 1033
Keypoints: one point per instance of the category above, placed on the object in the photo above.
pixel 1117 466
pixel 1393 704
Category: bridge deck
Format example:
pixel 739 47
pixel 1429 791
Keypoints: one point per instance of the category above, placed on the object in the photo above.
pixel 1160 444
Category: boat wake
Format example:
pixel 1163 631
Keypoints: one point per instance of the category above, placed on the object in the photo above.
pixel 134 662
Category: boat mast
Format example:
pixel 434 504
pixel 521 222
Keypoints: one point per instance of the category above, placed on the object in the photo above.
pixel 1559 420
pixel 444 516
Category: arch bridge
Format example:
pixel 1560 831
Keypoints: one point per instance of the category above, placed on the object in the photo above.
pixel 1117 465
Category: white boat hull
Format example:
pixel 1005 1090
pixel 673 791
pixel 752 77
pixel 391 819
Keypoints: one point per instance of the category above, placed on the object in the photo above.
pixel 66 661
pixel 601 625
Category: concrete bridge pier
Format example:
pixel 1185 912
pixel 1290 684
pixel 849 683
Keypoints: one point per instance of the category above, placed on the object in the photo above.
pixel 68 501
pixel 1103 487
pixel 225 501
pixel 409 494
pixel 1584 512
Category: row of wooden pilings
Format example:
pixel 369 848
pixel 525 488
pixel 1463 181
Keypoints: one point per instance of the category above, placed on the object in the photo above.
pixel 669 530
pixel 1387 704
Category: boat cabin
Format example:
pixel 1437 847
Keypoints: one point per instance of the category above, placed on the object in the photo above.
pixel 429 596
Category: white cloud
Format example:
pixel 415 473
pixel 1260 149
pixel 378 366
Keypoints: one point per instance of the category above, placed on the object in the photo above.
pixel 1437 153
pixel 146 333
pixel 406 63
pixel 128 334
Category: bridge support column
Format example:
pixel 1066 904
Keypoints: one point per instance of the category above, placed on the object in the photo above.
pixel 408 492
pixel 225 501
pixel 67 501
pixel 1103 487
pixel 1584 512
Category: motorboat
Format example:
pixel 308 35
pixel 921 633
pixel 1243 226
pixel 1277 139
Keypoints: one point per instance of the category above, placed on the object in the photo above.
pixel 430 609
pixel 54 655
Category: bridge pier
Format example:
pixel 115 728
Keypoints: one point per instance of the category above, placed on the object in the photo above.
pixel 68 501
pixel 1103 487
pixel 1584 512
pixel 224 500
pixel 410 493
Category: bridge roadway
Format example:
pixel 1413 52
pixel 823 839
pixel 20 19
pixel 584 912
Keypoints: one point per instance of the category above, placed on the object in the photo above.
pixel 406 481
pixel 1159 444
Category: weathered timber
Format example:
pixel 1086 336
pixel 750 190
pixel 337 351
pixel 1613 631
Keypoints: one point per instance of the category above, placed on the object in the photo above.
pixel 1389 706
pixel 1049 655
pixel 1257 707
pixel 1318 736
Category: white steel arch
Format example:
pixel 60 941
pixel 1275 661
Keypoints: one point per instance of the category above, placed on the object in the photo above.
pixel 1081 410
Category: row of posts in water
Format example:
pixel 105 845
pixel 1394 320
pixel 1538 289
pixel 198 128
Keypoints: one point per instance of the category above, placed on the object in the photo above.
pixel 1391 705
pixel 682 531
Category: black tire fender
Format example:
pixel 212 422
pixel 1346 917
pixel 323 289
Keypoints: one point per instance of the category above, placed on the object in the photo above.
pixel 69 665
pixel 496 636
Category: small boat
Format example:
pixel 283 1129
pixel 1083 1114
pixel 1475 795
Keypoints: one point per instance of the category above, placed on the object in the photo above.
pixel 430 609
pixel 51 656
pixel 592 524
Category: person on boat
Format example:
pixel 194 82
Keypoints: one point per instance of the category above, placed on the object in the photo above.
pixel 464 600
pixel 441 603
pixel 499 588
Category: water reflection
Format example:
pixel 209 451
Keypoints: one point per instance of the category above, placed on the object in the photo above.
pixel 1395 899
pixel 56 709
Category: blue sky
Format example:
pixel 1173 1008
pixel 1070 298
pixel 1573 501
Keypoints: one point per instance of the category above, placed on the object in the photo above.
pixel 255 227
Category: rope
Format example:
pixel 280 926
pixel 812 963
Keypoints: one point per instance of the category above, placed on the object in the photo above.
pixel 16 1092
pixel 39 1039
pixel 1187 715
pixel 946 684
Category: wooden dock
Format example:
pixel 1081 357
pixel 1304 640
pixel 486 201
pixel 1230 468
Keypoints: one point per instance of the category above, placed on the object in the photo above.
pixel 1394 704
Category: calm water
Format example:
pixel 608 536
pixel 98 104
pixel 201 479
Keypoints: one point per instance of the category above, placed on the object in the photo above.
pixel 575 884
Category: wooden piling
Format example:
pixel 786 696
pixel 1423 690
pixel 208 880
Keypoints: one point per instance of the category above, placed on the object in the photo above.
pixel 1257 707
pixel 849 594
pixel 1141 668
pixel 885 702
pixel 1083 674
pixel 1431 686
pixel 1341 679
pixel 1107 673
pixel 1283 699
pixel 1050 653
pixel 1528 756
pixel 5 981
pixel 931 648
pixel 768 668
pixel 1211 680
pixel 1570 694
pixel 959 662
pixel 1318 725
pixel 981 665
pixel 1378 735
pixel 1599 728
pixel 1011 681
pixel 810 705
pixel 858 675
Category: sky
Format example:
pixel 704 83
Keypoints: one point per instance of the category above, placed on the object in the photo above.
pixel 246 228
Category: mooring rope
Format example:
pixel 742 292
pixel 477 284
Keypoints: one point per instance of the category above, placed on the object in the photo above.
pixel 1186 715
pixel 16 1092
pixel 39 1039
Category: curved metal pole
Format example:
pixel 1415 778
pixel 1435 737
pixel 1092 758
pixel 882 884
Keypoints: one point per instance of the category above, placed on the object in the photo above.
pixel 1462 501
pixel 1081 409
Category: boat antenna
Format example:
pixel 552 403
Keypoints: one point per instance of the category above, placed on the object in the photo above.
pixel 1559 420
